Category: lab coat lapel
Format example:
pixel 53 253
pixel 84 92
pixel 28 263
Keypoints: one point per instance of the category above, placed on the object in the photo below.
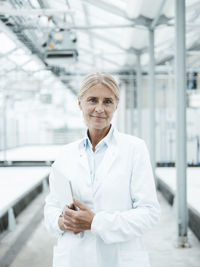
pixel 83 160
pixel 103 169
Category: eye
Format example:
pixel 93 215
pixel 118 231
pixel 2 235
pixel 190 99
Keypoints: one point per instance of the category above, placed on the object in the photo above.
pixel 108 101
pixel 92 100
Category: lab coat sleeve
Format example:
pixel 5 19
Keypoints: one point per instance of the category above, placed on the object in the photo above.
pixel 126 225
pixel 52 209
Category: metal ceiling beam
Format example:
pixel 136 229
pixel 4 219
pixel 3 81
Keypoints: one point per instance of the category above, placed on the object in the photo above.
pixel 85 28
pixel 29 11
pixel 155 21
pixel 101 27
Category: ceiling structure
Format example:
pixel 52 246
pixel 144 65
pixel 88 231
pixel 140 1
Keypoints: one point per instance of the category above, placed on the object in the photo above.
pixel 74 37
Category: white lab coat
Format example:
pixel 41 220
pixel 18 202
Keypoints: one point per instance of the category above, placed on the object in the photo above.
pixel 123 197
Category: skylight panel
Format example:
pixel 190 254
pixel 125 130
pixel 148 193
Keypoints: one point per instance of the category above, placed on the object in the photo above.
pixel 32 66
pixel 43 74
pixel 115 35
pixel 79 17
pixel 133 8
pixel 76 5
pixel 57 4
pixel 6 44
pixel 121 4
pixel 164 36
pixel 83 39
pixel 191 2
pixel 102 17
pixel 7 64
pixel 101 46
pixel 35 3
pixel 19 57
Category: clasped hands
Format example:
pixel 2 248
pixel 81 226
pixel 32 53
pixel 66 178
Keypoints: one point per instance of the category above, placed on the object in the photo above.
pixel 76 221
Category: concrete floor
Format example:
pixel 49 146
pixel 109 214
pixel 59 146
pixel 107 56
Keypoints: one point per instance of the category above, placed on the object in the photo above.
pixel 161 242
pixel 30 244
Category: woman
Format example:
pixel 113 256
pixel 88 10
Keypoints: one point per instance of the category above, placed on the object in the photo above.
pixel 113 188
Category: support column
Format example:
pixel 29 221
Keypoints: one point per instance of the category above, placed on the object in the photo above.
pixel 139 96
pixel 152 98
pixel 122 109
pixel 4 126
pixel 181 162
pixel 127 110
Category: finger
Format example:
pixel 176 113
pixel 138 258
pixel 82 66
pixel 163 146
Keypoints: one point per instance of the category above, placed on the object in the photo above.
pixel 74 224
pixel 70 221
pixel 75 230
pixel 79 204
pixel 71 206
pixel 69 212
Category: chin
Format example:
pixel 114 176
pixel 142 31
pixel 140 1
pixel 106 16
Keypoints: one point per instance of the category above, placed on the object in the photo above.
pixel 98 126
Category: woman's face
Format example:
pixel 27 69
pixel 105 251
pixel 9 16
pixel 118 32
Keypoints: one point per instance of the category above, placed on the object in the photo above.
pixel 98 105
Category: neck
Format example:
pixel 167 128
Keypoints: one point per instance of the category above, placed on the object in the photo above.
pixel 97 135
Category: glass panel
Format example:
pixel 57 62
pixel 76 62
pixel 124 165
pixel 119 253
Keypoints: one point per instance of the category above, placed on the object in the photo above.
pixel 6 44
pixel 19 57
pixel 32 66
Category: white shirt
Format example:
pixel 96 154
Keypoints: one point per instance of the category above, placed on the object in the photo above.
pixel 95 157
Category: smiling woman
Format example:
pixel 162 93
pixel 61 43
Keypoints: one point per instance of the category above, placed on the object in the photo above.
pixel 98 99
pixel 114 200
pixel 98 105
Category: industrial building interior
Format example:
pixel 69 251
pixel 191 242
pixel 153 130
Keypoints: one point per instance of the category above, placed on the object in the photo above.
pixel 152 49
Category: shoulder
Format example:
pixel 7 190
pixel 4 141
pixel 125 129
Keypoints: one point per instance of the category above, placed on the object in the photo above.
pixel 133 144
pixel 68 151
pixel 130 140
pixel 134 147
pixel 71 146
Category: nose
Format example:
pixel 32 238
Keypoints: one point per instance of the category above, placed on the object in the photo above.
pixel 99 108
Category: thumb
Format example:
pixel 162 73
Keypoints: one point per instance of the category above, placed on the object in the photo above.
pixel 79 204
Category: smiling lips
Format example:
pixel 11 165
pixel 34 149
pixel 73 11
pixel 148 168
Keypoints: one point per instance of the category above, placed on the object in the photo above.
pixel 98 117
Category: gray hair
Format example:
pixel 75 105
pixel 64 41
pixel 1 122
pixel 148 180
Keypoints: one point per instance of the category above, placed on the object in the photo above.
pixel 95 78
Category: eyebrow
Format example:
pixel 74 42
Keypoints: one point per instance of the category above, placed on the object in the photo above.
pixel 97 97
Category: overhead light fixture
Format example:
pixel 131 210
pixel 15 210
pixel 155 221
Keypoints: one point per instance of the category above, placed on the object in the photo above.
pixel 61 48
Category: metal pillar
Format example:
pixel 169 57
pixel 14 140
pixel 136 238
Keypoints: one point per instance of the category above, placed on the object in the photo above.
pixel 127 110
pixel 122 109
pixel 181 162
pixel 152 98
pixel 4 126
pixel 132 115
pixel 139 96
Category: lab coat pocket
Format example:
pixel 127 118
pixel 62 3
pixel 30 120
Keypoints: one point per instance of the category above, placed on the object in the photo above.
pixel 60 257
pixel 134 258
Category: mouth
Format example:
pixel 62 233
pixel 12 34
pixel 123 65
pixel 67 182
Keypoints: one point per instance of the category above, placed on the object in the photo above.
pixel 98 117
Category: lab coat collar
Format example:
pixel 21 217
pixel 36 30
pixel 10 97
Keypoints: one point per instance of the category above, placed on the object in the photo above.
pixel 108 159
pixel 105 141
pixel 110 138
